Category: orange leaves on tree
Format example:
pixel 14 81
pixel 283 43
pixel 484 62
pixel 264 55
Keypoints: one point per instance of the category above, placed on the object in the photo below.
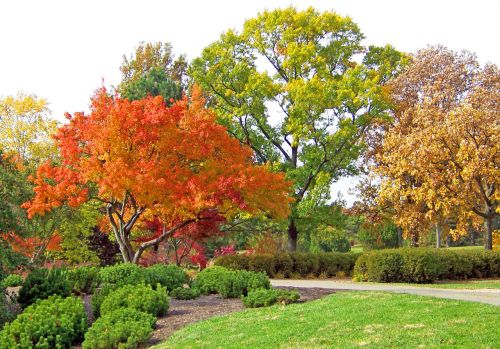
pixel 145 158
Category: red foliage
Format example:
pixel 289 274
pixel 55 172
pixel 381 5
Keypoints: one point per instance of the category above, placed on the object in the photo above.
pixel 225 251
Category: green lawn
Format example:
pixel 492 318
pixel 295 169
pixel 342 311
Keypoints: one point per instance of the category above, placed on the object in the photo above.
pixel 350 320
pixel 464 285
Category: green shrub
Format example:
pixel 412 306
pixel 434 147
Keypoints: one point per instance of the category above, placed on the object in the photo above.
pixel 122 328
pixel 99 297
pixel 139 297
pixel 262 263
pixel 168 276
pixel 185 293
pixel 229 283
pixel 122 274
pixel 289 264
pixel 264 297
pixel 42 283
pixel 83 280
pixel 13 280
pixel 5 313
pixel 283 265
pixel 425 265
pixel 235 262
pixel 305 263
pixel 51 323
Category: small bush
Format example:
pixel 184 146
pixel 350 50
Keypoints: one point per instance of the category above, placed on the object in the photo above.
pixel 235 262
pixel 424 265
pixel 185 293
pixel 99 297
pixel 264 297
pixel 122 274
pixel 122 328
pixel 13 280
pixel 168 276
pixel 42 283
pixel 139 297
pixel 83 280
pixel 229 283
pixel 51 323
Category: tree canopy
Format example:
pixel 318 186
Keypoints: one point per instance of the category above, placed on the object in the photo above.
pixel 289 86
pixel 144 159
pixel 439 158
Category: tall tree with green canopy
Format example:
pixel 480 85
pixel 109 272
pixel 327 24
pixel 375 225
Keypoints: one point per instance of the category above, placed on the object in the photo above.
pixel 289 86
pixel 153 70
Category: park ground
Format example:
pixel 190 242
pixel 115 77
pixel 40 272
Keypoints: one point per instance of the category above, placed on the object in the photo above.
pixel 357 319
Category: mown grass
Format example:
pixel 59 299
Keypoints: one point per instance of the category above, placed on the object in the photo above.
pixel 462 285
pixel 350 320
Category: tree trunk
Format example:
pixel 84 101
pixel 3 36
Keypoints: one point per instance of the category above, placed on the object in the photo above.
pixel 448 240
pixel 400 237
pixel 292 236
pixel 438 235
pixel 414 240
pixel 488 234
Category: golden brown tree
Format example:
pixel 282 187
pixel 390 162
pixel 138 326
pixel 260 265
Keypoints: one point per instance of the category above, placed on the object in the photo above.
pixel 440 154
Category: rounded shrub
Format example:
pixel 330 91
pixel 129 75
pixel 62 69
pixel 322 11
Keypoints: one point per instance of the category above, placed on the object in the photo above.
pixel 123 328
pixel 267 297
pixel 83 280
pixel 12 280
pixel 169 276
pixel 229 283
pixel 140 297
pixel 43 283
pixel 51 323
pixel 185 293
pixel 122 274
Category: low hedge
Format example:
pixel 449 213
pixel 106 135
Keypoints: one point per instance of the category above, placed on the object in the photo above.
pixel 294 264
pixel 51 323
pixel 123 328
pixel 425 265
pixel 229 283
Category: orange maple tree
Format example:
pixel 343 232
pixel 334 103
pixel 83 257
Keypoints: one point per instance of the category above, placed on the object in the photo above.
pixel 143 159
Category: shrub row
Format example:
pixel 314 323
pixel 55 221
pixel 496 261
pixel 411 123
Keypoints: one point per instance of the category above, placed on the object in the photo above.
pixel 426 265
pixel 265 298
pixel 51 323
pixel 295 264
pixel 229 283
pixel 42 283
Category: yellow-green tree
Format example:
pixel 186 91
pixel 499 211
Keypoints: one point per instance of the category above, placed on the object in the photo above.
pixel 25 127
pixel 440 154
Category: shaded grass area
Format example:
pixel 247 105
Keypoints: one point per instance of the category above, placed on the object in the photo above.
pixel 350 320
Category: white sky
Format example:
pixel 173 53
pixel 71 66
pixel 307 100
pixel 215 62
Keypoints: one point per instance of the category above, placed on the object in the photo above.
pixel 62 50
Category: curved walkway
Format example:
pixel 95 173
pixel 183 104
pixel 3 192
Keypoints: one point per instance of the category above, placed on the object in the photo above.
pixel 480 295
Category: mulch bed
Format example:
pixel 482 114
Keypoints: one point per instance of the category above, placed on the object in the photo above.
pixel 185 312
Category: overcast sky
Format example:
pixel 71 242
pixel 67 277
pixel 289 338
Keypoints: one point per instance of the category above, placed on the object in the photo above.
pixel 62 50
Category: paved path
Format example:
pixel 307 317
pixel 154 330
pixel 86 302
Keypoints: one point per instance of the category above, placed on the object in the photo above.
pixel 482 295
